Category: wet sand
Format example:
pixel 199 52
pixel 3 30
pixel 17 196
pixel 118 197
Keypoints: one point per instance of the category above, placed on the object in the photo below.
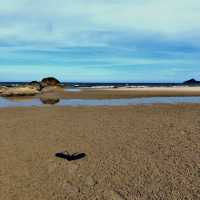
pixel 132 92
pixel 133 152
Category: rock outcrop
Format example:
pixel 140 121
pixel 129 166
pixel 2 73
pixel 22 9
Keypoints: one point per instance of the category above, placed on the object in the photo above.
pixel 19 91
pixel 51 89
pixel 50 85
pixel 47 85
pixel 50 81
pixel 3 89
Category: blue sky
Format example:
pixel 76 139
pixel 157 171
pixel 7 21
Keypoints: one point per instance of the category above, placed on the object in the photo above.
pixel 99 40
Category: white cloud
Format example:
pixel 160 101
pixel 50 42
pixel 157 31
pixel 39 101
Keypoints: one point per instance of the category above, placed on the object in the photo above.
pixel 70 23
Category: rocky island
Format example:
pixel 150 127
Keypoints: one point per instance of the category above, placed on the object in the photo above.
pixel 191 82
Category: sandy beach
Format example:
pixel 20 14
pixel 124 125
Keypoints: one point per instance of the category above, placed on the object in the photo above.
pixel 123 92
pixel 133 153
pixel 99 100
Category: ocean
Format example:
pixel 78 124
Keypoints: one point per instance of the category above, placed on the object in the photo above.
pixel 101 85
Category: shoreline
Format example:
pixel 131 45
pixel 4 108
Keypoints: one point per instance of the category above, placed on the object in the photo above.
pixel 110 93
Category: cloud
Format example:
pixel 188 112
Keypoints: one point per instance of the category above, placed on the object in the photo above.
pixel 70 23
pixel 108 35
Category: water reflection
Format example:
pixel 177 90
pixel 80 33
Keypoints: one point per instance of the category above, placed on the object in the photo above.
pixel 51 101
pixel 54 100
pixel 28 101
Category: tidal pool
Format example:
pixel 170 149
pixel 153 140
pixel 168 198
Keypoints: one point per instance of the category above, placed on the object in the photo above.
pixel 17 102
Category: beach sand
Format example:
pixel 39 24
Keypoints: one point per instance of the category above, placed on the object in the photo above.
pixel 133 153
pixel 124 92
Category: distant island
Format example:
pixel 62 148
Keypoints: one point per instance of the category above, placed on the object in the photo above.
pixel 191 82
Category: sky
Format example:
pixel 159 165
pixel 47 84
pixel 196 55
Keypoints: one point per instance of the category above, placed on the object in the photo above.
pixel 100 40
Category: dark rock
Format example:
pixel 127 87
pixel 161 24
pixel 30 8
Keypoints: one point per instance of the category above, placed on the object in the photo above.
pixel 50 81
pixel 191 82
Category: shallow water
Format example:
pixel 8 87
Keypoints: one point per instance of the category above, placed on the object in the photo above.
pixel 4 102
pixel 72 89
